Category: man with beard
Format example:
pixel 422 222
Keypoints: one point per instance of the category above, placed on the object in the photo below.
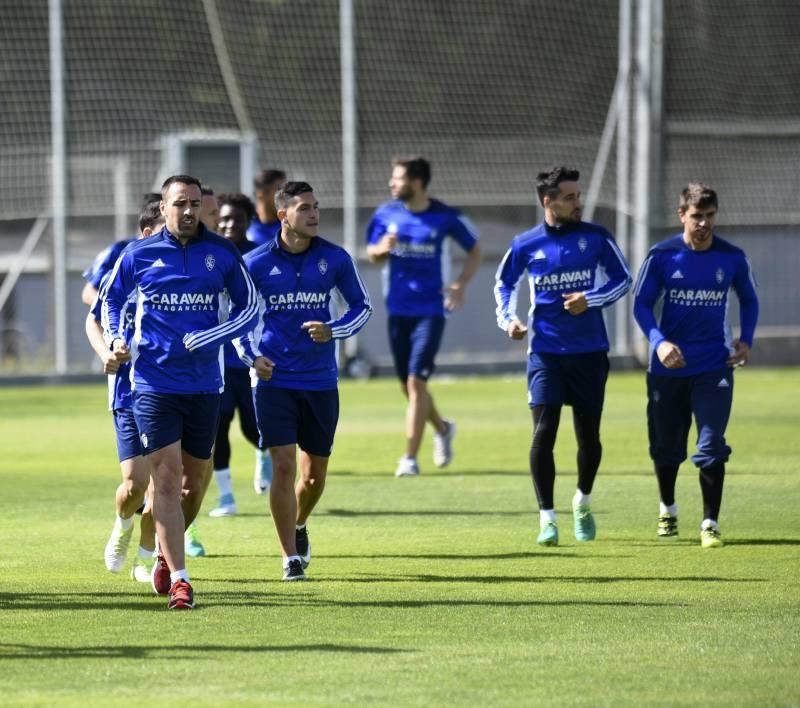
pixel 409 235
pixel 179 278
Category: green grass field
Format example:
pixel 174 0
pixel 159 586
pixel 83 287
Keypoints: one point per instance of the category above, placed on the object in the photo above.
pixel 426 591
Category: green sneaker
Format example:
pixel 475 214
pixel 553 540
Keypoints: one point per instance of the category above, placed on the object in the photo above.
pixel 548 536
pixel 667 526
pixel 191 542
pixel 585 528
pixel 710 538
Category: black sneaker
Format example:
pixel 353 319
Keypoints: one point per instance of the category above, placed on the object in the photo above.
pixel 667 526
pixel 293 570
pixel 303 546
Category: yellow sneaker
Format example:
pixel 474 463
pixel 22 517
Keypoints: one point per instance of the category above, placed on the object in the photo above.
pixel 710 538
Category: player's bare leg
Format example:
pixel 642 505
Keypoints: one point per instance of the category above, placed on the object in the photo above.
pixel 166 467
pixel 309 488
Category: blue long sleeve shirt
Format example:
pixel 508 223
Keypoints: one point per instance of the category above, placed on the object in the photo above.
pixel 418 267
pixel 180 294
pixel 104 261
pixel 580 257
pixel 691 288
pixel 297 288
pixel 119 384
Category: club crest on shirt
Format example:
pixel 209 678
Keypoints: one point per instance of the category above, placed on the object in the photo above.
pixel 720 275
pixel 322 264
pixel 582 244
pixel 210 261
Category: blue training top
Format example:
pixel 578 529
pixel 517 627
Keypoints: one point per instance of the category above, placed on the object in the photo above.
pixel 418 266
pixel 577 257
pixel 260 233
pixel 104 262
pixel 693 287
pixel 119 384
pixel 232 360
pixel 180 294
pixel 297 288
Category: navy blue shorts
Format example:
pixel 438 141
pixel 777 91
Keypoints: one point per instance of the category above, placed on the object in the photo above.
pixel 165 418
pixel 671 402
pixel 294 417
pixel 128 443
pixel 577 380
pixel 415 342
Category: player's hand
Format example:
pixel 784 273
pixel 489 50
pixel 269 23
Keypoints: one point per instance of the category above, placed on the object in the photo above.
pixel 575 303
pixel 741 354
pixel 516 330
pixel 453 296
pixel 670 355
pixel 386 244
pixel 318 331
pixel 263 368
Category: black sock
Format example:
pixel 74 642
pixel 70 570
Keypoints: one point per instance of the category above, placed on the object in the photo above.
pixel 667 475
pixel 712 479
pixel 543 466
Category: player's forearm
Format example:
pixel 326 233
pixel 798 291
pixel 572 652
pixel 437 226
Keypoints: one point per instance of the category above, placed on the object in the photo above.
pixel 94 333
pixel 748 317
pixel 377 253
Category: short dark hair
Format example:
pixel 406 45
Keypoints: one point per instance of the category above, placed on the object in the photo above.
pixel 238 201
pixel 151 216
pixel 416 168
pixel 699 195
pixel 206 191
pixel 265 178
pixel 548 183
pixel 290 190
pixel 179 179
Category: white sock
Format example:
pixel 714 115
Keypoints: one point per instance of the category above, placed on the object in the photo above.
pixel 581 499
pixel 179 575
pixel 125 524
pixel 223 479
pixel 288 560
pixel 709 524
pixel 300 527
pixel 664 509
pixel 546 515
pixel 146 555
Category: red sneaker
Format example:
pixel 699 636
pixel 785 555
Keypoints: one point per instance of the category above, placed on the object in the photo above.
pixel 159 576
pixel 181 596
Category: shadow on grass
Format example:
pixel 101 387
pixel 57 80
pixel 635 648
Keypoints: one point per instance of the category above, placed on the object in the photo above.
pixel 762 542
pixel 355 513
pixel 433 473
pixel 194 651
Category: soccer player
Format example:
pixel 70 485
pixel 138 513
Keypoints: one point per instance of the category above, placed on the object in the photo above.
pixel 134 468
pixel 235 213
pixel 692 353
pixel 105 260
pixel 574 270
pixel 265 225
pixel 293 353
pixel 409 236
pixel 179 279
pixel 209 209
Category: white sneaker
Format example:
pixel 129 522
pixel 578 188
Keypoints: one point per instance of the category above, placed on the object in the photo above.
pixel 407 467
pixel 223 510
pixel 443 445
pixel 117 547
pixel 140 571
